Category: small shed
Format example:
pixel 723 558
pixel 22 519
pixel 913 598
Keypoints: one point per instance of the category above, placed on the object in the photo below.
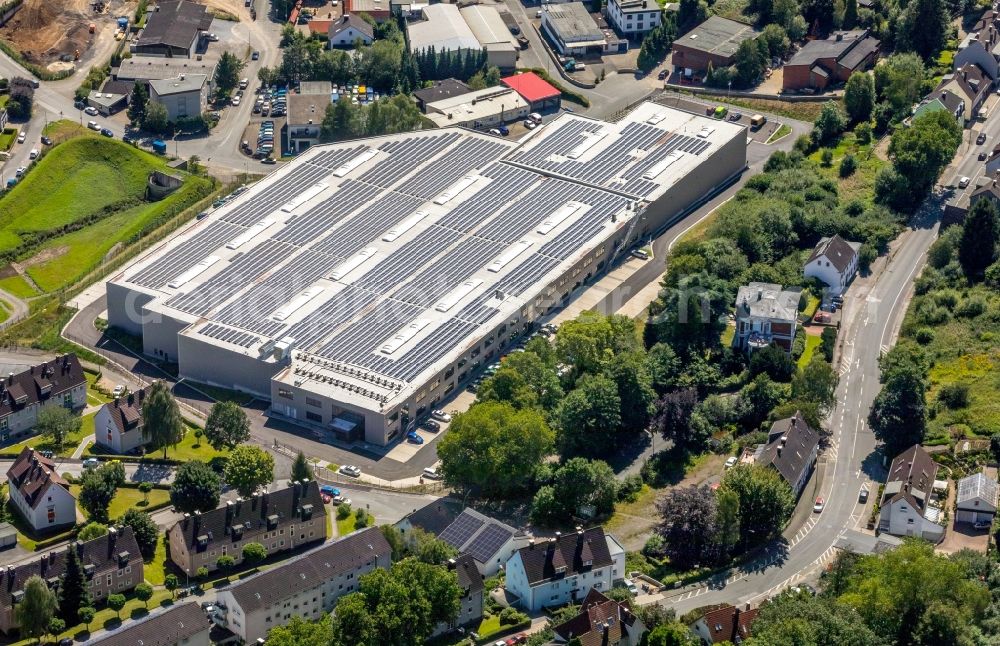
pixel 8 536
pixel 977 499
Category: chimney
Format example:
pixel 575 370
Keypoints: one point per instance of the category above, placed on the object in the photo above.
pixel 10 377
pixel 229 511
pixel 452 564
pixel 779 450
pixel 840 36
pixel 79 549
pixel 531 543
pixel 197 522
pixel 187 519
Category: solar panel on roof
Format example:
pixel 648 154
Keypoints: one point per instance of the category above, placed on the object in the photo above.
pixel 486 544
pixel 461 530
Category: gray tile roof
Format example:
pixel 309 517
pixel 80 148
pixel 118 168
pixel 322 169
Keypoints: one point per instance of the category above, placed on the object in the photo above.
pixel 790 458
pixel 310 569
pixel 250 517
pixel 40 383
pixel 166 628
pixel 126 412
pixel 100 556
pixel 838 251
pixel 348 21
pixel 543 559
pixel 32 474
pixel 175 24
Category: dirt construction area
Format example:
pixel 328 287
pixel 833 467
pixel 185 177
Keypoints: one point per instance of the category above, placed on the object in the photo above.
pixel 48 32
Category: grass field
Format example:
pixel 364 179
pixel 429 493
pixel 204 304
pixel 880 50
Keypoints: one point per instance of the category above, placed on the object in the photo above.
pixel 42 443
pixel 963 350
pixel 17 286
pixel 812 342
pixel 7 138
pixel 84 197
pixel 803 110
pixel 126 498
pixel 783 130
pixel 860 184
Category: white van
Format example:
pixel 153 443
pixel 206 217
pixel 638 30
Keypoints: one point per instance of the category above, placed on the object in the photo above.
pixel 432 473
pixel 534 116
pixel 244 83
pixel 33 153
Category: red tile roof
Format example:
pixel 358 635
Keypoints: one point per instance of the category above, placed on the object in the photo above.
pixel 729 624
pixel 32 474
pixel 601 622
pixel 531 86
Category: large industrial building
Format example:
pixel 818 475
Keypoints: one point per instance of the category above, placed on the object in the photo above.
pixel 365 281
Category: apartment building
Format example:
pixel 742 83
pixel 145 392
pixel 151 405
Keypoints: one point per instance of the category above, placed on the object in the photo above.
pixel 118 424
pixel 280 521
pixel 39 493
pixel 59 382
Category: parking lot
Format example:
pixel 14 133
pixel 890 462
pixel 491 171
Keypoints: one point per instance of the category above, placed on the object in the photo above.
pixel 734 115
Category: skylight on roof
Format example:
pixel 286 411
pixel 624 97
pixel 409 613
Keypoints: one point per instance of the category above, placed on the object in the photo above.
pixel 192 273
pixel 303 197
pixel 405 226
pixel 249 234
pixel 354 162
pixel 402 336
pixel 341 271
pixel 456 189
pixel 592 139
pixel 569 209
pixel 293 305
pixel 456 295
pixel 509 255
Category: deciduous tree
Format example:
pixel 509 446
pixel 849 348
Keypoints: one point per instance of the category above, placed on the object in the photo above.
pixel 116 602
pixel 590 418
pixel 144 592
pixel 977 248
pixel 765 501
pixel 161 418
pixel 898 415
pixel 57 424
pixel 196 487
pixel 227 426
pixel 859 95
pixel 817 383
pixel 36 609
pixel 143 528
pixel 689 526
pixel 249 468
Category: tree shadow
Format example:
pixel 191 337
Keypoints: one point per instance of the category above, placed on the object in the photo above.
pixel 82 635
pixel 872 467
pixel 166 603
pixel 138 612
pixel 112 623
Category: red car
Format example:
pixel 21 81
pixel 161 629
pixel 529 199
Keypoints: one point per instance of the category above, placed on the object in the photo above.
pixel 818 507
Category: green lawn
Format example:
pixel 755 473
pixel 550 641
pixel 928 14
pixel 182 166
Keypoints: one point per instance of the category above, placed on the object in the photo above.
pixel 349 524
pixel 155 570
pixel 128 497
pixel 7 138
pixel 861 184
pixel 17 286
pixel 90 192
pixel 489 626
pixel 94 397
pixel 813 341
pixel 42 443
pixel 783 130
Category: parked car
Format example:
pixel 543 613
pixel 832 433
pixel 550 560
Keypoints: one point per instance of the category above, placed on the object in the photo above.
pixel 818 506
pixel 431 425
pixel 268 160
pixel 983 524
pixel 329 490
pixel 731 462
pixel 46 141
pixel 981 139
pixel 91 463
pixel 236 99
pixel 118 391
pixel 91 110
pixel 632 588
pixel 963 182
pixel 33 154
pixel 255 55
pixel 93 125
pixel 432 473
pixel 413 438
pixel 662 75
pixel 107 132
pixel 350 470
pixel 503 130
pixel 641 254
pixel 341 500
pixel 20 171
pixel 863 494
pixel 441 416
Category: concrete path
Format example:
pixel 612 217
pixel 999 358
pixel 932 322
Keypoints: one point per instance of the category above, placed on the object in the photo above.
pixel 84 443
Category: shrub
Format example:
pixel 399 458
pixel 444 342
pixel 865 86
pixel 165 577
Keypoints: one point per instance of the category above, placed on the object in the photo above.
pixel 361 517
pixel 848 165
pixel 863 133
pixel 954 396
pixel 826 157
pixel 653 546
pixel 343 512
pixel 971 307
pixel 510 616
pixel 202 572
pixel 924 335
pixel 930 314
pixel 628 490
pixel 225 562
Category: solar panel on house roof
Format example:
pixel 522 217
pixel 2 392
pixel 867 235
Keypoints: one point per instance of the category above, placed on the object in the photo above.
pixel 486 544
pixel 461 530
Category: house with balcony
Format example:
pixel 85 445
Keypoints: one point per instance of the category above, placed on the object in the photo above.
pixel 909 505
pixel 561 570
pixel 766 313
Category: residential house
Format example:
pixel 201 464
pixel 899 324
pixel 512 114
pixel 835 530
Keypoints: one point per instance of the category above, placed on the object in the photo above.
pixel 971 83
pixel 714 41
pixel 981 46
pixel 306 586
pixel 438 91
pixel 976 501
pixel 470 582
pixel 858 542
pixel 489 542
pixel 835 262
pixel 433 518
pixel 726 624
pixel 173 30
pixel 824 62
pixel 111 563
pixel 184 96
pixel 184 624
pixel 350 29
pixel 306 109
pixel 906 507
pixel 39 493
pixel 766 314
pixel 634 18
pixel 280 521
pixel 118 424
pixel 601 622
pixel 791 451
pixel 988 191
pixel 553 572
pixel 59 382
pixel 944 100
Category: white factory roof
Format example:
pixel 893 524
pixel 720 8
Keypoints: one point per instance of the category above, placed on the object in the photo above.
pixel 380 261
pixel 488 27
pixel 148 68
pixel 442 28
pixel 477 105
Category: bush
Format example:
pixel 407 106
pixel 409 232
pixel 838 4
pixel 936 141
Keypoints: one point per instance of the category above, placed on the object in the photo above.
pixel 629 488
pixel 924 335
pixel 970 307
pixel 828 342
pixel 930 314
pixel 343 512
pixel 863 133
pixel 510 617
pixel 225 562
pixel 826 157
pixel 848 165
pixel 361 517
pixel 954 396
pixel 653 546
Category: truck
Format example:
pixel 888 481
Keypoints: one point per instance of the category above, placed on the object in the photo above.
pixel 757 121
pixel 159 147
